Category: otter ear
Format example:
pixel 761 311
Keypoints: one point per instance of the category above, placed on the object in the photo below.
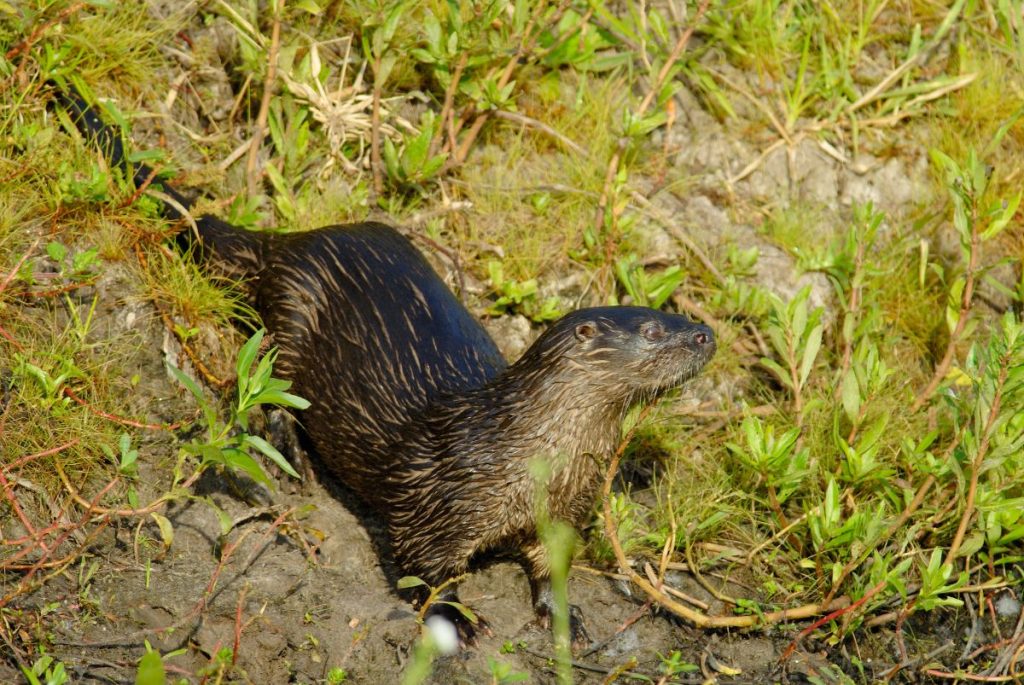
pixel 586 331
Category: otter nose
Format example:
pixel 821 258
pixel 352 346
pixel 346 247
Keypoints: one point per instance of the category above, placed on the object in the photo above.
pixel 703 336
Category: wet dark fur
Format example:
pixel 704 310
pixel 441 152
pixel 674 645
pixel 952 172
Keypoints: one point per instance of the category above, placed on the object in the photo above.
pixel 413 406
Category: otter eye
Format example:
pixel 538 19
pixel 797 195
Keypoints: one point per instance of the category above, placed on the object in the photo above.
pixel 652 330
pixel 586 331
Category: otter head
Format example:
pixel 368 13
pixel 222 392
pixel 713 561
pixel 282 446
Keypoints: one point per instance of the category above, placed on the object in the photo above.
pixel 631 351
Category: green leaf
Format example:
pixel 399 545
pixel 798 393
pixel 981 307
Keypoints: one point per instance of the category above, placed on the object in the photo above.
pixel 281 399
pixel 271 453
pixel 387 63
pixel 240 461
pixel 971 544
pixel 851 396
pixel 223 519
pixel 56 251
pixel 391 160
pixel 421 55
pixel 246 356
pixel 151 670
pixel 780 374
pixel 953 303
pixel 433 165
pixel 387 29
pixel 432 32
pixel 1000 222
pixel 189 384
pixel 166 529
pixel 798 314
pixel 464 610
pixel 810 352
pixel 406 582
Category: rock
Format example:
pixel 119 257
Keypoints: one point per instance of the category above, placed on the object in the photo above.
pixel 815 175
pixel 893 185
pixel 626 642
pixel 513 334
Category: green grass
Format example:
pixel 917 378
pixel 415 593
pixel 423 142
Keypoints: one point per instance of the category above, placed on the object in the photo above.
pixel 814 512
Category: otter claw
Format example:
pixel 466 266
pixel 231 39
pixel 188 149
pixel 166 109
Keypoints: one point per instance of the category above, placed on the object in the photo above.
pixel 579 638
pixel 578 634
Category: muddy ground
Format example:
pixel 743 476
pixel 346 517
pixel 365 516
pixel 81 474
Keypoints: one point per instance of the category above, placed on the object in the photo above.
pixel 316 591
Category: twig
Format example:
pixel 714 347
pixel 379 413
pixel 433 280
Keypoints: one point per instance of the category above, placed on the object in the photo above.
pixel 131 199
pixel 238 623
pixel 541 126
pixel 378 173
pixel 261 118
pixel 979 460
pixel 829 617
pixel 447 112
pixel 9 468
pixel 119 419
pixel 36 34
pixel 965 309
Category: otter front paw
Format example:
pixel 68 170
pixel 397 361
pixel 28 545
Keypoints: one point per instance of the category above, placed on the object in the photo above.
pixel 452 629
pixel 579 638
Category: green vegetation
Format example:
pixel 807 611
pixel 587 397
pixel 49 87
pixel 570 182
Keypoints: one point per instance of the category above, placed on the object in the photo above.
pixel 857 451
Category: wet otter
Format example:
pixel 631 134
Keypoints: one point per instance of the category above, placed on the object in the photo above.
pixel 413 406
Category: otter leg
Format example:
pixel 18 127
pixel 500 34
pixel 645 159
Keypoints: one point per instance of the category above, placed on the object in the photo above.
pixel 544 603
pixel 435 559
pixel 284 435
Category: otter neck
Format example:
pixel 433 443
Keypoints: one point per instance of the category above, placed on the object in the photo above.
pixel 558 412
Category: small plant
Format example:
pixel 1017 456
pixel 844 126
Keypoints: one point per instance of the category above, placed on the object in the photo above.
pixel 151 669
pixel 337 675
pixel 82 264
pixel 648 289
pixel 46 671
pixel 51 381
pixel 795 332
pixel 126 461
pixel 224 446
pixel 502 673
pixel 413 164
pixel 673 664
pixel 509 647
pixel 780 466
pixel 519 296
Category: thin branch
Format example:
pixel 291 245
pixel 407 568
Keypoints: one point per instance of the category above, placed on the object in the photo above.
pixel 966 299
pixel 261 118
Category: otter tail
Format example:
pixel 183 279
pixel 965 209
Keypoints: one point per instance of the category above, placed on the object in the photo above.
pixel 231 251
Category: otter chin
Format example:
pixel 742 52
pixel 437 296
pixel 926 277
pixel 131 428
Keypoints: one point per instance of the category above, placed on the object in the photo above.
pixel 412 405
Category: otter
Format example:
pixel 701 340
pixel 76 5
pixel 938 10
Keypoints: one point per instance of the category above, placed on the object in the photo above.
pixel 414 408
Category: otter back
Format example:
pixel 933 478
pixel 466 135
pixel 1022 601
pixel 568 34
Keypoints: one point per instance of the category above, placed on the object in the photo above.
pixel 370 334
